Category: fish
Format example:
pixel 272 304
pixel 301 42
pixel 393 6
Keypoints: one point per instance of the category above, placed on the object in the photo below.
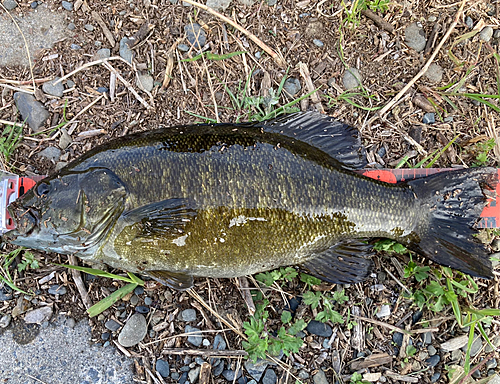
pixel 227 200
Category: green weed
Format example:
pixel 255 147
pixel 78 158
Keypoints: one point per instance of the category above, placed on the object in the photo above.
pixel 389 245
pixel 10 138
pixel 483 150
pixel 357 378
pixel 354 98
pixel 28 262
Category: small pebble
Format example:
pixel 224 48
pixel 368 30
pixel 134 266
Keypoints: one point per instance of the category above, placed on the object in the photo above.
pixel 486 34
pixel 435 377
pixel 303 374
pixel 219 342
pixel 292 86
pixel 352 78
pixel 448 119
pixel 142 309
pixel 429 118
pixel 75 47
pixel 492 372
pixel 475 347
pixel 105 336
pixel 38 316
pixel 491 364
pixel 145 82
pixel 125 52
pixel 230 375
pixel 196 338
pixel 134 300
pixel 206 343
pixel 9 4
pixel 476 374
pixel 318 43
pixel 427 337
pixel 272 3
pixel 5 293
pixel 5 321
pixel 188 315
pixel 89 27
pixel 495 341
pixel 385 310
pixel 183 378
pixel 34 4
pixel 134 331
pixel 183 47
pixel 193 375
pixel 433 360
pixel 103 53
pixel 57 290
pixel 71 26
pixel 148 300
pixel 496 34
pixel 67 5
pixel 269 377
pixel 320 377
pixel 102 89
pixel 218 369
pixel 196 35
pixel 434 73
pixel 415 37
pixel 318 328
pixel 432 19
pixel 397 337
pixel 175 376
pixel 432 351
pixel 469 22
pixel 258 55
pixel 31 111
pixel 112 325
pixel 139 290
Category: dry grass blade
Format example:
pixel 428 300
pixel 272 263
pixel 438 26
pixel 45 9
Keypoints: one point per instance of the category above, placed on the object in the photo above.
pixel 394 328
pixel 77 278
pixel 304 72
pixel 276 56
pixel 381 114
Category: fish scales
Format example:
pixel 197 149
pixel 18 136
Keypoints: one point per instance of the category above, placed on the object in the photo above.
pixel 231 200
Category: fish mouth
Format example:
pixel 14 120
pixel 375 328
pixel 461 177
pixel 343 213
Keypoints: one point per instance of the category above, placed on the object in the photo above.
pixel 25 219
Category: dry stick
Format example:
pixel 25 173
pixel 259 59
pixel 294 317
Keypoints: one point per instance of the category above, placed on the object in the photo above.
pixel 389 105
pixel 397 329
pixel 381 23
pixel 104 28
pixel 204 352
pixel 277 57
pixel 25 82
pixel 25 45
pixel 17 89
pixel 397 281
pixel 304 71
pixel 5 122
pixel 128 85
pixel 77 278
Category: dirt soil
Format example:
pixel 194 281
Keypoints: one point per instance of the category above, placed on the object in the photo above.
pixel 323 38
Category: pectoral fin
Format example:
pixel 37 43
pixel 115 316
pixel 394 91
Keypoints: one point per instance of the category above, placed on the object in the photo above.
pixel 346 262
pixel 175 280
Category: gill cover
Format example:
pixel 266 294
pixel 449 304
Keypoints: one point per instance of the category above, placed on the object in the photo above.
pixel 69 212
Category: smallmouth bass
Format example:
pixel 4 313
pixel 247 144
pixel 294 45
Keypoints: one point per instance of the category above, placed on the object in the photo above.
pixel 230 200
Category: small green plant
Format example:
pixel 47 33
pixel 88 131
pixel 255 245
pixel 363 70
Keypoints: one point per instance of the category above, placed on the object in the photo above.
pixel 269 278
pixel 28 262
pixel 388 245
pixel 357 378
pixel 483 150
pixel 5 275
pixel 10 138
pixel 262 341
pixel 132 280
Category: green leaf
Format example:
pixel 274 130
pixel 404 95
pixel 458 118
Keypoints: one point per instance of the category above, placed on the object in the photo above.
pixel 309 280
pixel 312 298
pixel 298 326
pixel 98 272
pixel 286 317
pixel 107 302
pixel 288 273
pixel 410 350
pixel 266 278
pixel 340 297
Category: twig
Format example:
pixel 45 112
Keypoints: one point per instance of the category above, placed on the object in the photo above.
pixel 245 293
pixel 397 281
pixel 381 23
pixel 170 64
pixel 5 122
pixel 128 85
pixel 77 278
pixel 397 329
pixel 25 82
pixel 276 56
pixel 104 28
pixel 90 64
pixel 17 89
pixel 388 106
pixel 304 71
pixel 121 348
pixel 204 352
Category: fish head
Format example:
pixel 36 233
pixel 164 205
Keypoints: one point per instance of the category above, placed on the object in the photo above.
pixel 68 213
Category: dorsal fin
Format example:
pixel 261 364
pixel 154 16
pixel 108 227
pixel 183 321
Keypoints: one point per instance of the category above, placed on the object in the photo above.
pixel 339 140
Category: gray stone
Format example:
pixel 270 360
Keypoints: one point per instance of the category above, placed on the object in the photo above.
pixel 435 377
pixel 352 78
pixel 269 377
pixel 217 370
pixel 89 27
pixel 455 343
pixel 318 328
pixel 304 375
pixel 491 364
pixel 5 293
pixel 9 4
pixel 320 377
pixel 193 374
pixel 125 52
pixel 397 337
pixel 103 53
pixel 65 140
pixel 486 34
pixel 292 86
pixel 50 153
pixel 163 368
pixel 139 290
pixel 148 300
pixel 496 34
pixel 427 337
pixel 415 37
pixel 142 309
pixel 434 73
pixel 196 35
pixel 219 342
pixel 272 3
pixel 318 43
pixel 60 165
pixel 38 316
pixel 67 5
pixel 112 325
pixel 195 338
pixel 5 321
pixel 134 331
pixel 32 111
pixel 218 5
pixel 496 343
pixel 75 47
pixel 134 300
pixel 256 370
pixel 230 375
pixel 71 26
pixel 429 118
pixel 183 379
pixel 432 351
pixel 456 355
pixel 183 47
pixel 57 289
pixel 476 346
pixel 432 19
pixel 385 310
pixel 469 22
pixel 146 83
pixel 433 360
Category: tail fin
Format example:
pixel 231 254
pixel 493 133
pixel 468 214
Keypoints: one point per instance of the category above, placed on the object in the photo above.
pixel 451 204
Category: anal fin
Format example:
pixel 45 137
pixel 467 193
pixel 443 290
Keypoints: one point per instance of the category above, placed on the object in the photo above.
pixel 346 262
pixel 175 280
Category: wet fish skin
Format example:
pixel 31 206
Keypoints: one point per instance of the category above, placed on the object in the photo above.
pixel 231 200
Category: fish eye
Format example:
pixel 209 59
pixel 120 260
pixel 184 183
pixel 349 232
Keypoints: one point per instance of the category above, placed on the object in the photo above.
pixel 42 189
